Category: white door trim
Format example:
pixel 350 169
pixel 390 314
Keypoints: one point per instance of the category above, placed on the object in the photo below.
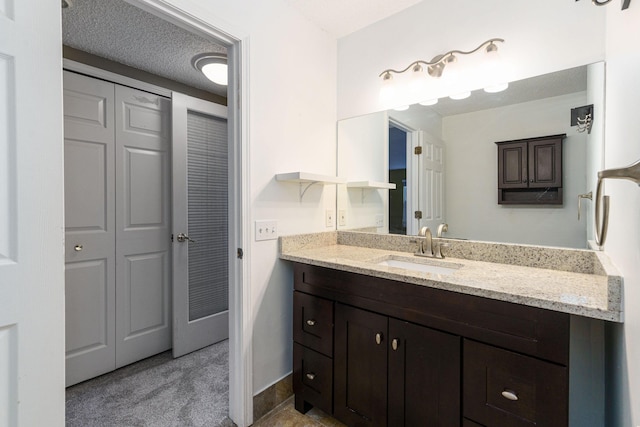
pixel 240 318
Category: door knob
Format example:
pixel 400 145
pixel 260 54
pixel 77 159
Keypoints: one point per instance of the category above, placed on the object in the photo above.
pixel 181 237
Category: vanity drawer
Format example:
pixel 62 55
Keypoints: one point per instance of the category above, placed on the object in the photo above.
pixel 505 388
pixel 313 322
pixel 312 378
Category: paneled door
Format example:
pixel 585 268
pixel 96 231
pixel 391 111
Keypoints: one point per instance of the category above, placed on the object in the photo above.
pixel 200 224
pixel 142 179
pixel 31 215
pixel 89 144
pixel 432 185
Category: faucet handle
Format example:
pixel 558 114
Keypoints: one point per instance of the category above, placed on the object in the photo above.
pixel 442 228
pixel 438 249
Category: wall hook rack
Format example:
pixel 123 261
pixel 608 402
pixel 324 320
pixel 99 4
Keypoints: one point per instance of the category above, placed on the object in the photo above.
pixel 631 173
pixel 582 117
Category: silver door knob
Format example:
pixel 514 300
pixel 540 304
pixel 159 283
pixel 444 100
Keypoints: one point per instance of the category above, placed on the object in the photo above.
pixel 77 248
pixel 181 237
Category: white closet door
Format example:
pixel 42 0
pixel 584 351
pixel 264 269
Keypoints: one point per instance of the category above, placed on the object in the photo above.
pixel 89 227
pixel 200 211
pixel 143 316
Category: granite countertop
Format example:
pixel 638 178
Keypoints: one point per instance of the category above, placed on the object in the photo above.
pixel 584 284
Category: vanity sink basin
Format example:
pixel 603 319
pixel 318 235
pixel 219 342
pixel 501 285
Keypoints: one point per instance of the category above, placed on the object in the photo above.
pixel 418 266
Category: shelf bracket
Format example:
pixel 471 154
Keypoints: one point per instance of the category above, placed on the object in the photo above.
pixel 306 188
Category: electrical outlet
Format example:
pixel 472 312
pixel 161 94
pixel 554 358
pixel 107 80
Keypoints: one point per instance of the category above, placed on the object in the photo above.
pixel 342 218
pixel 379 221
pixel 266 230
pixel 329 218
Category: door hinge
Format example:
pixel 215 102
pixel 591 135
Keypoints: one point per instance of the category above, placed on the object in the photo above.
pixel 240 253
pixel 417 214
pixel 417 150
pixel 172 237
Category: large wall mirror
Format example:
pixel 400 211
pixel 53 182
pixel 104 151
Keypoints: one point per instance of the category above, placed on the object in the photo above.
pixel 454 179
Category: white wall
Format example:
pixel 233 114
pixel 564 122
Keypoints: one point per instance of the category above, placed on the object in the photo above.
pixel 541 36
pixel 622 147
pixel 292 121
pixel 471 180
pixel 363 155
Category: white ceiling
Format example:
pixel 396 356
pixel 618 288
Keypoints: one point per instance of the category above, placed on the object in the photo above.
pixel 117 31
pixel 342 17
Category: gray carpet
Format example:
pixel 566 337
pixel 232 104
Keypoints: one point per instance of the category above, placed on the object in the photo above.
pixel 192 390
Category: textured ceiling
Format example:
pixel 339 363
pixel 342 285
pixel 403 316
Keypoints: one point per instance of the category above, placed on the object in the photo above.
pixel 123 33
pixel 342 17
pixel 559 83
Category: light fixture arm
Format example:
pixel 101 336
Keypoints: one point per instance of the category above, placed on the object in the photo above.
pixel 440 59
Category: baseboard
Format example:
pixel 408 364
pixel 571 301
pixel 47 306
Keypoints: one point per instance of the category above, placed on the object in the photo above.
pixel 271 397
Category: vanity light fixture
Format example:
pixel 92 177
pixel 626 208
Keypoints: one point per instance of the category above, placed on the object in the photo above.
pixel 213 66
pixel 625 3
pixel 435 68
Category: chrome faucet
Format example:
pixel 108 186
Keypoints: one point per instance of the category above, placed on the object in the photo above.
pixel 425 243
pixel 427 246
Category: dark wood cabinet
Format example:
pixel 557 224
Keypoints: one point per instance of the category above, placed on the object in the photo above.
pixel 530 170
pixel 409 355
pixel 505 388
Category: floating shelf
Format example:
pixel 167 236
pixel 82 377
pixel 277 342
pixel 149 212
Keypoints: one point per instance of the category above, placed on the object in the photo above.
pixel 372 184
pixel 309 179
pixel 305 177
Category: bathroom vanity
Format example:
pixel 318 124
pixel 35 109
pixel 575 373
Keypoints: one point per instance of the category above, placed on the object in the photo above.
pixel 471 343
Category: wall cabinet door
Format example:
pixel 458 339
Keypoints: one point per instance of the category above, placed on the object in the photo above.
pixel 545 163
pixel 512 165
pixel 360 367
pixel 424 376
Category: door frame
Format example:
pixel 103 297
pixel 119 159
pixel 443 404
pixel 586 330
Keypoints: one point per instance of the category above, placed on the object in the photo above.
pixel 413 178
pixel 236 41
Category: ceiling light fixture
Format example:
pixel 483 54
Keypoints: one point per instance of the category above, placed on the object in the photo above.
pixel 213 66
pixel 437 66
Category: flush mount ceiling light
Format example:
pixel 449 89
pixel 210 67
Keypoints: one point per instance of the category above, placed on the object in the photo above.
pixel 213 66
pixel 437 66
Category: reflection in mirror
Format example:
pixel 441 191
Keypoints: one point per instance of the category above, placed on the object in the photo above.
pixel 454 180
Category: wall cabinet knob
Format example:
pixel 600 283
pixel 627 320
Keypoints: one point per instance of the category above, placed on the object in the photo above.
pixel 311 376
pixel 511 395
pixel 378 338
pixel 311 322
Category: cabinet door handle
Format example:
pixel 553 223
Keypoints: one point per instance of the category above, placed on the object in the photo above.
pixel 78 248
pixel 511 395
pixel 394 343
pixel 378 338
pixel 311 376
pixel 311 322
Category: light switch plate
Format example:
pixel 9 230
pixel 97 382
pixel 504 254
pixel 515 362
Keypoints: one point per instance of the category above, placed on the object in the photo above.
pixel 266 230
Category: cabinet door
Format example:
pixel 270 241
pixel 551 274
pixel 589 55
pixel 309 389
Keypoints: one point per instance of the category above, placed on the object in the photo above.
pixel 503 388
pixel 545 163
pixel 512 165
pixel 360 366
pixel 424 376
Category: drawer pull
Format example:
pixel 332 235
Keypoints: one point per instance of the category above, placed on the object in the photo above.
pixel 378 338
pixel 511 395
pixel 394 344
pixel 311 376
pixel 311 322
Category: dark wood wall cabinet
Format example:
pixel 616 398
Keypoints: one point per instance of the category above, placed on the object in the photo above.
pixel 530 171
pixel 375 352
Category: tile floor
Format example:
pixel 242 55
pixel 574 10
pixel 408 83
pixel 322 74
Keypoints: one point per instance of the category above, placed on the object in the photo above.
pixel 285 415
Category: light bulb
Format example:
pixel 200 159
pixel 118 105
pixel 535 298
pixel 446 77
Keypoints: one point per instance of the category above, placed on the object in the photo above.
pixel 429 102
pixel 402 108
pixel 387 91
pixel 496 88
pixel 460 95
pixel 216 72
